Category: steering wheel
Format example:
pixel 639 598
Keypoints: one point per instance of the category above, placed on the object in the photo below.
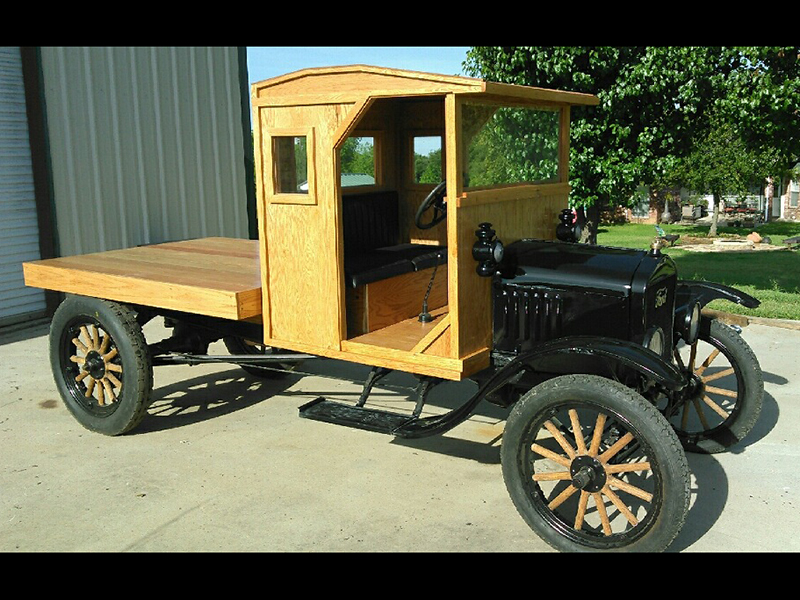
pixel 435 200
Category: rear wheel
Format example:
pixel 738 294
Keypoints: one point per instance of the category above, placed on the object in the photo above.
pixel 591 465
pixel 100 364
pixel 729 390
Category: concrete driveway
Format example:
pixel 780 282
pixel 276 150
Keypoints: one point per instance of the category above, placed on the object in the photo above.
pixel 222 462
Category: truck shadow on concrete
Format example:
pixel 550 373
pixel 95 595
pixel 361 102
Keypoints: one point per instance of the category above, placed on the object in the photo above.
pixel 208 396
pixel 710 481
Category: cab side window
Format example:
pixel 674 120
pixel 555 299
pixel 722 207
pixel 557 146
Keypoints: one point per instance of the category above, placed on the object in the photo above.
pixel 427 161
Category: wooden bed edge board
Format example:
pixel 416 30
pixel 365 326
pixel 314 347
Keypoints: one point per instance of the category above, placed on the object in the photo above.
pixel 224 305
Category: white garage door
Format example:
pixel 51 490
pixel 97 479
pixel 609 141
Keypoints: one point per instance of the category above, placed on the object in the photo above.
pixel 19 231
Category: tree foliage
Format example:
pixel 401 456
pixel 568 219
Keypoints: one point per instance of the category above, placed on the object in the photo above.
pixel 656 103
pixel 722 164
pixel 358 156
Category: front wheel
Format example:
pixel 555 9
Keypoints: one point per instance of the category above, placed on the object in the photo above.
pixel 591 465
pixel 728 390
pixel 100 364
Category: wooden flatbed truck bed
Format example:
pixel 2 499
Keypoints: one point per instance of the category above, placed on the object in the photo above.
pixel 216 277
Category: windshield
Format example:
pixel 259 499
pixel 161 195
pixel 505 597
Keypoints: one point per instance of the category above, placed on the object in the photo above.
pixel 509 145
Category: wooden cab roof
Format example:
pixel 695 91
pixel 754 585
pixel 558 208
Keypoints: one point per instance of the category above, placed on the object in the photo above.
pixel 354 82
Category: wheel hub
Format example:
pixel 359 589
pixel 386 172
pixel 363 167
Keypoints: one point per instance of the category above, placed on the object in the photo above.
pixel 587 474
pixel 95 365
pixel 696 388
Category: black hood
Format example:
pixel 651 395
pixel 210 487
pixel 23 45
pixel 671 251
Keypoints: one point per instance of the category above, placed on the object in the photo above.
pixel 565 264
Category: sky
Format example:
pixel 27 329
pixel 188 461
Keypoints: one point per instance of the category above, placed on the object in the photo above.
pixel 264 62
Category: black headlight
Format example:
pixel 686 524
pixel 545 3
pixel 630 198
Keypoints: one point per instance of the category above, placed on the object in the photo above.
pixel 687 322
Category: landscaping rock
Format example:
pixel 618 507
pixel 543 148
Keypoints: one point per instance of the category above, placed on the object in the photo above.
pixel 754 237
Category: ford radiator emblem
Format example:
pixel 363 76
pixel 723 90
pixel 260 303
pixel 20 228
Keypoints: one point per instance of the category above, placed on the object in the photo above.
pixel 661 297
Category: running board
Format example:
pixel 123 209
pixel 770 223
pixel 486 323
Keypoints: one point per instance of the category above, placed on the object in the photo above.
pixel 371 419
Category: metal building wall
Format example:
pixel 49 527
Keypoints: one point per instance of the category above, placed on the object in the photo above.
pixel 146 145
pixel 19 229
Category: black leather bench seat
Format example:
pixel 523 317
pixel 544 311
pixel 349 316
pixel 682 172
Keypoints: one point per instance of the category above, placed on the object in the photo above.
pixel 370 223
pixel 382 263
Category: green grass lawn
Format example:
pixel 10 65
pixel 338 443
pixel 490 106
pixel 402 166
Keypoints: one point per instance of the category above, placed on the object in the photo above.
pixel 772 277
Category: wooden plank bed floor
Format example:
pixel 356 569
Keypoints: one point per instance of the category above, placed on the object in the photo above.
pixel 218 277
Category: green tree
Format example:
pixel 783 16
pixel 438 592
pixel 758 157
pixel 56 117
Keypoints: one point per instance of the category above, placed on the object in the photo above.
pixel 655 103
pixel 763 101
pixel 358 156
pixel 723 164
pixel 428 167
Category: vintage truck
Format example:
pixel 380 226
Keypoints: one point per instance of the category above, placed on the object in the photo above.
pixel 449 254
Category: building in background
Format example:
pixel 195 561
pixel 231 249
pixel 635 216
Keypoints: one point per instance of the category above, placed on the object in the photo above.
pixel 104 148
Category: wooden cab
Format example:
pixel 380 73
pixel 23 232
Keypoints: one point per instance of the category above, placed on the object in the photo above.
pixel 345 156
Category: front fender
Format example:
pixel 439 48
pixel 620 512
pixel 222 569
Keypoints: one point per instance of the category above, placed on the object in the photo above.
pixel 704 292
pixel 628 354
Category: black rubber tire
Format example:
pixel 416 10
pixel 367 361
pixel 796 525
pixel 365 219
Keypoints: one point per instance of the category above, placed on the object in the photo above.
pixel 117 333
pixel 714 433
pixel 660 518
pixel 239 346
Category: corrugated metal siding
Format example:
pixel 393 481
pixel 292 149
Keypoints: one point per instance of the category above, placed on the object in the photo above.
pixel 19 230
pixel 146 145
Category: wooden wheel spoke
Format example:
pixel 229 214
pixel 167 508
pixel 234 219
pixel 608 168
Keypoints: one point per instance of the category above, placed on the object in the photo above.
pixel 558 458
pixel 692 356
pixel 554 476
pixel 101 396
pixel 80 345
pixel 620 505
pixel 631 489
pixel 90 388
pixel 109 355
pixel 718 375
pixel 81 376
pixel 598 434
pixel 104 344
pixel 601 510
pixel 559 437
pixel 86 335
pixel 618 445
pixel 582 503
pixel 94 336
pixel 707 362
pixel 109 391
pixel 577 432
pixel 113 380
pixel 77 359
pixel 114 367
pixel 685 416
pixel 716 408
pixel 628 467
pixel 556 502
pixel 700 414
pixel 722 392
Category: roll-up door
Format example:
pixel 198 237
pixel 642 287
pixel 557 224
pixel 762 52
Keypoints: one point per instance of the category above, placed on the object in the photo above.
pixel 19 231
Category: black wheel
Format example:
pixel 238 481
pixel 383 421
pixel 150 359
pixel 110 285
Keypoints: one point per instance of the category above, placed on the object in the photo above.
pixel 436 201
pixel 591 465
pixel 239 346
pixel 100 364
pixel 729 390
